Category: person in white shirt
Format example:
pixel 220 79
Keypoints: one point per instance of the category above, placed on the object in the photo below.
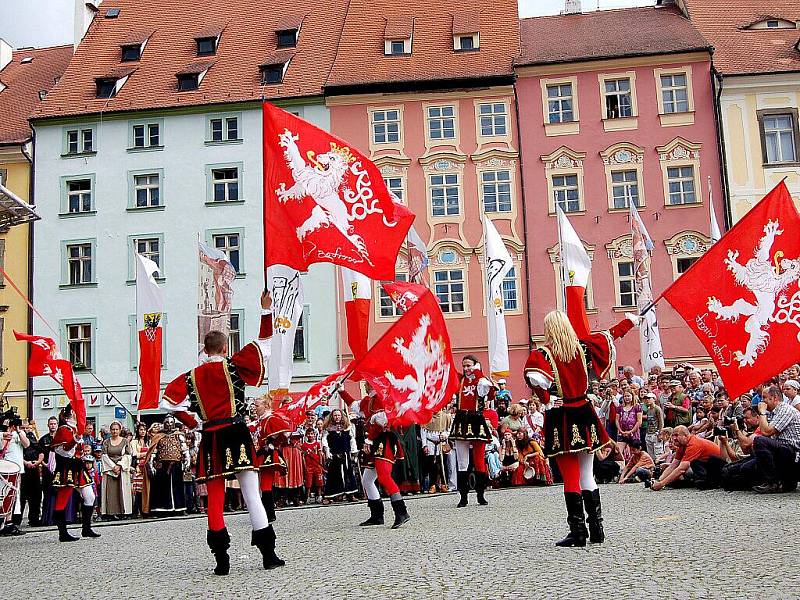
pixel 791 387
pixel 12 442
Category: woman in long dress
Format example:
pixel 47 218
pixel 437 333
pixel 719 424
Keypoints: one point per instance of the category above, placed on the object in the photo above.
pixel 339 445
pixel 117 496
pixel 139 447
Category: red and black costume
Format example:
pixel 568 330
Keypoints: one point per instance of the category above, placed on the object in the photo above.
pixel 573 431
pixel 70 473
pixel 381 449
pixel 470 429
pixel 213 395
pixel 270 434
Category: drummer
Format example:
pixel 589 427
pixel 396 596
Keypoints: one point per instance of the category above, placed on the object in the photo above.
pixel 12 443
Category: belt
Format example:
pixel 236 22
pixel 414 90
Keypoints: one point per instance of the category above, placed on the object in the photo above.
pixel 576 401
pixel 225 421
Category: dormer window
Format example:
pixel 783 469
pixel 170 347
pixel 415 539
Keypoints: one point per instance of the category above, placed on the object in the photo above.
pixel 131 52
pixel 206 46
pixel 106 87
pixel 190 78
pixel 287 38
pixel 467 42
pixel 273 73
pixel 466 32
pixel 771 22
pixel 397 36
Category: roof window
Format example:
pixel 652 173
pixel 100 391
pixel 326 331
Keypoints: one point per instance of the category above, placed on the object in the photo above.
pixel 131 52
pixel 192 76
pixel 286 38
pixel 106 87
pixel 273 70
pixel 771 22
pixel 208 41
pixel 112 13
pixel 398 36
pixel 466 32
pixel 26 60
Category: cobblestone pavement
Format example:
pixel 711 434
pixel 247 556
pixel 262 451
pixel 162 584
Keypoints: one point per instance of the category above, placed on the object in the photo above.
pixel 672 544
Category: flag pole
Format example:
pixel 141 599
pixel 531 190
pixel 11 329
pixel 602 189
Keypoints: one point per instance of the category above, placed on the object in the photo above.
pixel 138 346
pixel 562 289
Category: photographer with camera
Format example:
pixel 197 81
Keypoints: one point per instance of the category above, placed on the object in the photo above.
pixel 13 442
pixel 735 439
pixel 777 447
pixel 695 453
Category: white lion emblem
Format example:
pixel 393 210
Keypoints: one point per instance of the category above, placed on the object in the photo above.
pixel 766 281
pixel 321 181
pixel 426 357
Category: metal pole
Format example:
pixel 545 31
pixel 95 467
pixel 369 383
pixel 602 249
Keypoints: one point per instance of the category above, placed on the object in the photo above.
pixel 562 289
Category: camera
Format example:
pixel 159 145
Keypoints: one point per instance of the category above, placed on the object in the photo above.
pixel 721 431
pixel 10 418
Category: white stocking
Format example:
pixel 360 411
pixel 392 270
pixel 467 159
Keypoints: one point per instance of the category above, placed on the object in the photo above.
pixel 462 454
pixel 586 462
pixel 87 494
pixel 368 479
pixel 248 482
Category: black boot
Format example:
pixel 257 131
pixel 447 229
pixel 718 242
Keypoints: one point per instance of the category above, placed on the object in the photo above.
pixel 86 522
pixel 400 513
pixel 60 519
pixel 576 521
pixel 481 479
pixel 268 500
pixel 463 488
pixel 594 514
pixel 375 512
pixel 264 540
pixel 219 542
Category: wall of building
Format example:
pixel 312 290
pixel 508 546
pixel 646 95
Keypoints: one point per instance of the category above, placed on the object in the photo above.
pixel 13 309
pixel 453 241
pixel 741 103
pixel 110 303
pixel 590 148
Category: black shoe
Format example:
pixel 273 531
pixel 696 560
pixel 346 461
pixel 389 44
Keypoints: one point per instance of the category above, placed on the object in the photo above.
pixel 376 513
pixel 219 542
pixel 594 514
pixel 268 500
pixel 768 488
pixel 463 488
pixel 12 529
pixel 60 519
pixel 481 479
pixel 400 513
pixel 577 523
pixel 86 521
pixel 264 540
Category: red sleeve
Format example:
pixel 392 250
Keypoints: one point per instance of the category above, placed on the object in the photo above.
pixel 621 328
pixel 65 436
pixel 176 390
pixel 265 329
pixel 249 363
pixel 185 418
pixel 576 310
pixel 346 397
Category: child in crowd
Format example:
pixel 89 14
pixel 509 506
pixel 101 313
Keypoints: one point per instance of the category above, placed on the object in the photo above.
pixel 313 459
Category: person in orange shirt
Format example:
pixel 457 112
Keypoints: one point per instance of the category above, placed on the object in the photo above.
pixel 702 456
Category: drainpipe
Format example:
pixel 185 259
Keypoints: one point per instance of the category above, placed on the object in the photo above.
pixel 31 162
pixel 718 82
pixel 524 219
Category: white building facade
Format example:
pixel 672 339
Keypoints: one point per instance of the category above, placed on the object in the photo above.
pixel 153 182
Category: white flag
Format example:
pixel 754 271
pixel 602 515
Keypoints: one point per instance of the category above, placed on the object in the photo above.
pixel 285 285
pixel 417 257
pixel 498 263
pixel 149 325
pixel 575 262
pixel 715 232
pixel 649 337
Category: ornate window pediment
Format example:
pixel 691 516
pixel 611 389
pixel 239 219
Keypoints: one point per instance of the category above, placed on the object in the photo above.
pixel 563 158
pixel 687 243
pixel 620 248
pixel 679 149
pixel 623 153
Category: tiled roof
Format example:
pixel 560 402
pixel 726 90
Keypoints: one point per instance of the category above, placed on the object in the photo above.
pixel 607 34
pixel 740 50
pixel 248 37
pixel 432 56
pixel 466 23
pixel 24 81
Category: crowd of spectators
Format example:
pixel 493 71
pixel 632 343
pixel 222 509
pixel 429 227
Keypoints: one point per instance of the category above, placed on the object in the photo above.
pixel 669 429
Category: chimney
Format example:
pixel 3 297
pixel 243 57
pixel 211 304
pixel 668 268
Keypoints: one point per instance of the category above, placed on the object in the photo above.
pixel 5 53
pixel 572 7
pixel 85 11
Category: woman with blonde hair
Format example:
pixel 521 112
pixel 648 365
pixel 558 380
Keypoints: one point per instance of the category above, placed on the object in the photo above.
pixel 339 445
pixel 572 429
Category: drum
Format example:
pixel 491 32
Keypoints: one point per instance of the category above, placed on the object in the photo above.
pixel 9 485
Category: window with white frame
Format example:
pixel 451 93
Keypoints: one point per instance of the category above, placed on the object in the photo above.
pixel 441 122
pixel 146 135
pixel 675 93
pixel 235 334
pixel 618 98
pixel 559 103
pixel 147 190
pixel 230 244
pixel 79 195
pixel 385 126
pixel 80 141
pixel 444 195
pixel 299 350
pixel 509 289
pixel 682 264
pixel 566 193
pixel 625 188
pixel 79 263
pixel 225 184
pixel 223 129
pixel 780 137
pixel 449 290
pixel 388 309
pixel 149 248
pixel 626 290
pixel 493 119
pixel 681 185
pixel 79 345
pixel 496 191
pixel 395 185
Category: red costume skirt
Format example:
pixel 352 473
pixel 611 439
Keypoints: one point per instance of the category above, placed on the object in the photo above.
pixel 470 425
pixel 224 452
pixel 385 447
pixel 573 427
pixel 70 473
pixel 271 459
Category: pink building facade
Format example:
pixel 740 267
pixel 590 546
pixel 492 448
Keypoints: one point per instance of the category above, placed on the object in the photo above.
pixel 596 135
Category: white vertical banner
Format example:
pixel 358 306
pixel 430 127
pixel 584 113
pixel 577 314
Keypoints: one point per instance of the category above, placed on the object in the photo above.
pixel 214 293
pixel 716 234
pixel 649 337
pixel 286 288
pixel 497 264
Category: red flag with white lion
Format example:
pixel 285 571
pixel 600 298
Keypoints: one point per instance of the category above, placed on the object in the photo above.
pixel 411 367
pixel 326 202
pixel 295 410
pixel 742 298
